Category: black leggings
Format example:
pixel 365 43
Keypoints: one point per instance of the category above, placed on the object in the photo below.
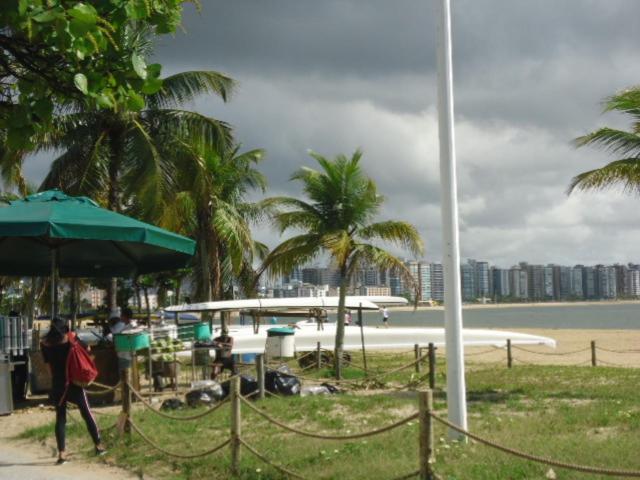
pixel 77 396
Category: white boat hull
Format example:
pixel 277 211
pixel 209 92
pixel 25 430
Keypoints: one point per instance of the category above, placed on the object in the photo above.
pixel 307 336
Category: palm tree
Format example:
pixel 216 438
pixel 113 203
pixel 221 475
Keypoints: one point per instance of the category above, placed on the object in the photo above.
pixel 125 158
pixel 210 205
pixel 625 171
pixel 338 221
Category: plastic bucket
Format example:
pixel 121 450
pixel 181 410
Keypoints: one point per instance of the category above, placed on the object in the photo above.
pixel 201 331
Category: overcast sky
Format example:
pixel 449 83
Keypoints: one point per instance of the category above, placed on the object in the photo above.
pixel 336 75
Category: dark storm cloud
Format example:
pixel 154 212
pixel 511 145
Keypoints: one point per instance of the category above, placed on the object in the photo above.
pixel 529 76
pixel 336 75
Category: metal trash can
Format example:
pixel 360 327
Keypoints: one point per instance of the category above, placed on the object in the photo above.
pixel 6 392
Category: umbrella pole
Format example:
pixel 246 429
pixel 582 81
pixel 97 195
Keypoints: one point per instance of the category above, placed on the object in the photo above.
pixel 54 283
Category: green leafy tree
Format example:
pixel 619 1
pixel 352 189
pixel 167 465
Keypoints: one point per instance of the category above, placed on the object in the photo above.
pixel 338 220
pixel 210 205
pixel 125 159
pixel 56 51
pixel 625 171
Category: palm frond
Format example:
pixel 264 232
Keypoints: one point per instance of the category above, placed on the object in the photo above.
pixel 295 251
pixel 399 233
pixel 623 173
pixel 185 87
pixel 627 101
pixel 371 255
pixel 197 130
pixel 617 142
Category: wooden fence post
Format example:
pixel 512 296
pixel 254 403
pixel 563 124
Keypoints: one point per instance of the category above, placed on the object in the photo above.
pixel 150 369
pixel 432 366
pixel 416 353
pixel 260 373
pixel 318 356
pixel 236 425
pixel 593 353
pixel 126 400
pixel 509 355
pixel 427 457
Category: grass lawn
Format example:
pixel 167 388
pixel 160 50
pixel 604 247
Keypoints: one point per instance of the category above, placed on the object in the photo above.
pixel 580 415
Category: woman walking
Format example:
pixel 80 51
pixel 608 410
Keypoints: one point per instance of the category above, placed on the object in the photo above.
pixel 55 349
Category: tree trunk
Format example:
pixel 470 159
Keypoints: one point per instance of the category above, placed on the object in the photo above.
pixel 147 306
pixel 112 295
pixel 73 302
pixel 216 271
pixel 138 295
pixel 205 265
pixel 178 288
pixel 113 199
pixel 339 342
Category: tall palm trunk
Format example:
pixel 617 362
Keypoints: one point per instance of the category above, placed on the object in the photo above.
pixel 339 344
pixel 113 197
pixel 204 282
pixel 216 270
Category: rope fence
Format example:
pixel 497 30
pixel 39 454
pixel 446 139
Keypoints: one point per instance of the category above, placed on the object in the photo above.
pixel 537 458
pixel 303 433
pixel 173 454
pixel 424 415
pixel 236 442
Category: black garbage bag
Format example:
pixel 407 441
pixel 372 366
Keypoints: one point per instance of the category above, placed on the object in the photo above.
pixel 205 396
pixel 281 383
pixel 248 386
pixel 332 388
pixel 172 404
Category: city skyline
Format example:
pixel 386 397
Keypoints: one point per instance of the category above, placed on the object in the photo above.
pixel 480 281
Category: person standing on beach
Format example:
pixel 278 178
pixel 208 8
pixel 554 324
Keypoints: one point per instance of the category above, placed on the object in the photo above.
pixel 55 348
pixel 385 317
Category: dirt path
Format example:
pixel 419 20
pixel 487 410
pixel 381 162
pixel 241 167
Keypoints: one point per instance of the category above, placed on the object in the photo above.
pixel 30 460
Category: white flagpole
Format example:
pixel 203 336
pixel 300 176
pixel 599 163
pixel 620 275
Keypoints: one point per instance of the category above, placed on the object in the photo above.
pixel 456 389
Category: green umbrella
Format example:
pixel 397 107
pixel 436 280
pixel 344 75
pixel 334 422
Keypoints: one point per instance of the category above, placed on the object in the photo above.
pixel 51 231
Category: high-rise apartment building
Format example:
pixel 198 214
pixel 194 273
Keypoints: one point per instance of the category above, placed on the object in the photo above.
pixel 589 283
pixel 482 279
pixel 437 282
pixel 425 281
pixel 576 282
pixel 500 283
pixel 632 282
pixel 468 280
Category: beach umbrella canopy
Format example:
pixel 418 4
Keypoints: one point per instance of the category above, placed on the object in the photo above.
pixel 73 235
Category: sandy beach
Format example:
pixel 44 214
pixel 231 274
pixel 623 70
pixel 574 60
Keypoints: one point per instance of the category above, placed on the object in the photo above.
pixel 613 348
pixel 475 306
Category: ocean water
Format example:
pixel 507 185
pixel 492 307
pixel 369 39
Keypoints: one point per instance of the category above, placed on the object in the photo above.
pixel 596 315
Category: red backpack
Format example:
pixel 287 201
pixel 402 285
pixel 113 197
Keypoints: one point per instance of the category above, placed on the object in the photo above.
pixel 81 369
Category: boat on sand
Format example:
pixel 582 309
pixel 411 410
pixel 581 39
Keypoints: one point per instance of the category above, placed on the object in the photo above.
pixel 252 338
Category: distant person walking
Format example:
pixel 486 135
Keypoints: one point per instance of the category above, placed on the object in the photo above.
pixel 55 348
pixel 385 317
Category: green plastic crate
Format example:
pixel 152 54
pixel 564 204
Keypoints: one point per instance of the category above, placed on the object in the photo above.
pixel 131 342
